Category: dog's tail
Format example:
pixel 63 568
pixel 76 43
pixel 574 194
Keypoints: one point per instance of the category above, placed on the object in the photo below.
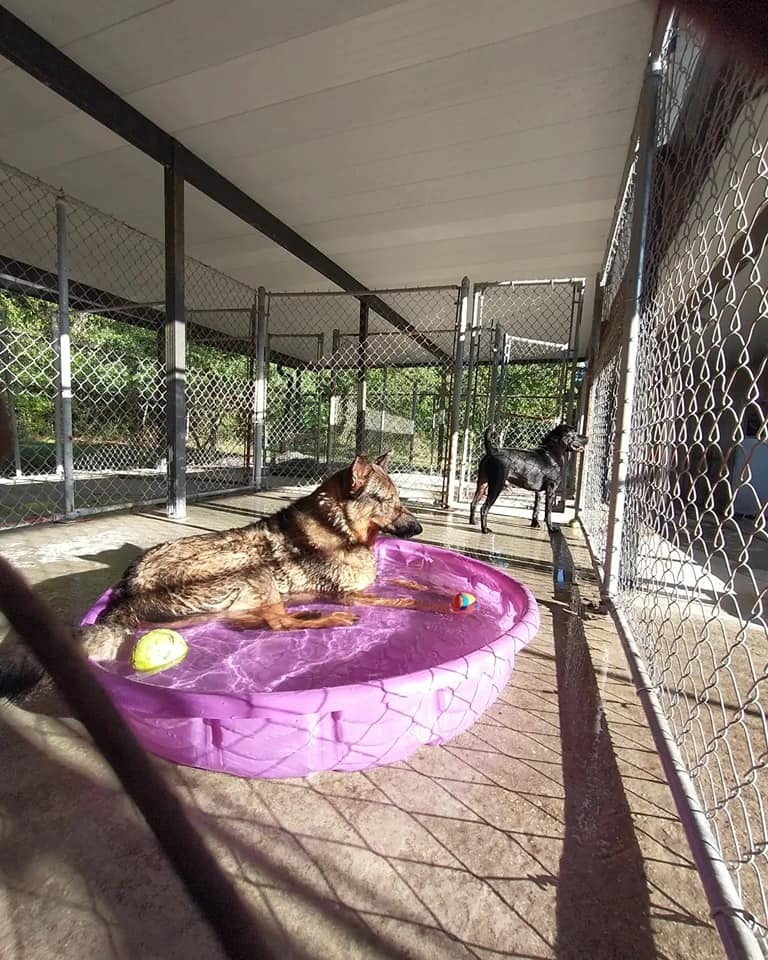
pixel 490 446
pixel 20 670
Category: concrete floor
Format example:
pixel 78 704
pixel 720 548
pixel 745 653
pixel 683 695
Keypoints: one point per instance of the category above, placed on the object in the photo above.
pixel 545 831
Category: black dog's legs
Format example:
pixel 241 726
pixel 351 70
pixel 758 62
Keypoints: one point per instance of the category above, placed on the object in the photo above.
pixel 535 517
pixel 482 487
pixel 497 477
pixel 548 492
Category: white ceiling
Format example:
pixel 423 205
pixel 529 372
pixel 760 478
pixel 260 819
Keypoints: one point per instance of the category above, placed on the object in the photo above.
pixel 413 142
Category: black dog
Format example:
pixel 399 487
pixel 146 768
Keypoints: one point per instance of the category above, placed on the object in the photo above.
pixel 536 470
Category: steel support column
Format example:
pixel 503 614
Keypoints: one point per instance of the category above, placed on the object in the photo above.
pixel 175 344
pixel 362 378
pixel 463 307
pixel 64 362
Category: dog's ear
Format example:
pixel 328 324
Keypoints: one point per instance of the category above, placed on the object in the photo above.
pixel 383 460
pixel 359 472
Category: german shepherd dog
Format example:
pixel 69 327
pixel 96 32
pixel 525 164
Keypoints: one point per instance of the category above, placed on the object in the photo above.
pixel 318 548
pixel 535 470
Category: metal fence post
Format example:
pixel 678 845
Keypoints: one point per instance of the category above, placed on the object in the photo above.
pixel 362 384
pixel 577 310
pixel 250 432
pixel 478 317
pixel 64 360
pixel 439 412
pixel 175 343
pixel 382 422
pixel 632 315
pixel 495 354
pixel 53 327
pixel 269 452
pixel 573 346
pixel 333 402
pixel 260 389
pixel 593 350
pixel 6 388
pixel 474 345
pixel 583 422
pixel 506 357
pixel 466 297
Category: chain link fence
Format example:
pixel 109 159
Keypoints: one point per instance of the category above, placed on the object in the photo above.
pixel 342 378
pixel 692 575
pixel 602 381
pixel 82 369
pixel 522 374
pixel 82 298
pixel 31 484
pixel 674 489
pixel 113 309
pixel 221 381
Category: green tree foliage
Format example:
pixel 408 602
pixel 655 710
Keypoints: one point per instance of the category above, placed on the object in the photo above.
pixel 117 388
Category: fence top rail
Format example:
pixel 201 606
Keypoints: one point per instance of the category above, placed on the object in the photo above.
pixel 544 282
pixel 361 293
pixel 388 333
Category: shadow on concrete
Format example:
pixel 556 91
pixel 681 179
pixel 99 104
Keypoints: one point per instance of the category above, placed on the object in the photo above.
pixel 603 903
pixel 69 840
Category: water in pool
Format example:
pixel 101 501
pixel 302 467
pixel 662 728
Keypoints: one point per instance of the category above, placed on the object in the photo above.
pixel 385 643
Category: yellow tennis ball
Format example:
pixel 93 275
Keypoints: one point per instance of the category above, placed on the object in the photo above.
pixel 158 650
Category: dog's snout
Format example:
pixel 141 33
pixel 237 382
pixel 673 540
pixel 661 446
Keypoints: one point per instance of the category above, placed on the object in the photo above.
pixel 404 526
pixel 575 442
pixel 414 527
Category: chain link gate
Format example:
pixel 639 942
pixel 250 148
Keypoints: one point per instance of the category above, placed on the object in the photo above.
pixel 221 382
pixel 32 483
pixel 343 379
pixel 521 371
pixel 677 476
pixel 113 310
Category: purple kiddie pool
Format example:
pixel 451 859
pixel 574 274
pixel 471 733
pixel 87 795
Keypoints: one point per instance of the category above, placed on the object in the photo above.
pixel 263 704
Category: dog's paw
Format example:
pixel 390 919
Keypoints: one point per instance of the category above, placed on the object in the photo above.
pixel 343 618
pixel 535 524
pixel 409 584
